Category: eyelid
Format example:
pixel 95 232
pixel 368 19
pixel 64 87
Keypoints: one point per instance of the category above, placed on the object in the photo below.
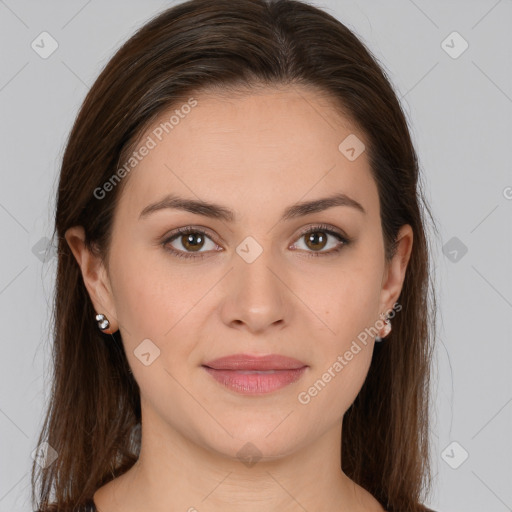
pixel 332 230
pixel 324 227
pixel 191 228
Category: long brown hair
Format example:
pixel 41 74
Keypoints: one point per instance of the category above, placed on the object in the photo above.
pixel 93 418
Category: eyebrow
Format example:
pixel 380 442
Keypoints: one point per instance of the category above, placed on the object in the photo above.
pixel 217 211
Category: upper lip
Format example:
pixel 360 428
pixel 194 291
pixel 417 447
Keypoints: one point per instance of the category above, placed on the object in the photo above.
pixel 255 362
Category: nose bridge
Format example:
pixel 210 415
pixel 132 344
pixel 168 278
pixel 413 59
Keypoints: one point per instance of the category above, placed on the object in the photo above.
pixel 255 295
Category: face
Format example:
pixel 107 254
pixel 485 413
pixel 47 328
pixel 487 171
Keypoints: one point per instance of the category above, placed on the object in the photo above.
pixel 261 279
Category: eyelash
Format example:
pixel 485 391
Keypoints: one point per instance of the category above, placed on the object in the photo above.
pixel 200 255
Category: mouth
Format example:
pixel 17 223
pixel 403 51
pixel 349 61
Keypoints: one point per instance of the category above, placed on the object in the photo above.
pixel 254 375
pixel 248 362
pixel 256 382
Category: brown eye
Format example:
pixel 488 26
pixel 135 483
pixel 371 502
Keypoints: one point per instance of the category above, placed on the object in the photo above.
pixel 187 241
pixel 192 241
pixel 316 240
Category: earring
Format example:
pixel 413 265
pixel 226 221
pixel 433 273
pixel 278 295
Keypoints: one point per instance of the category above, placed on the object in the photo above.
pixel 103 323
pixel 387 330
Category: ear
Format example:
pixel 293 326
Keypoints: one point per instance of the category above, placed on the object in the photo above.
pixel 395 269
pixel 95 277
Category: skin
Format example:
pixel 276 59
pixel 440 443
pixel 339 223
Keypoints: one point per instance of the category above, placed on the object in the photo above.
pixel 255 153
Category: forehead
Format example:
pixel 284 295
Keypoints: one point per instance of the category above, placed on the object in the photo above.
pixel 251 150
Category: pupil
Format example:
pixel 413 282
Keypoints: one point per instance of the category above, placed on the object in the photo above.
pixel 316 238
pixel 189 241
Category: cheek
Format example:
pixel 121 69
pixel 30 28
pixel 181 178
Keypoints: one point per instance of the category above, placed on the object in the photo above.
pixel 332 389
pixel 349 307
pixel 155 303
pixel 150 297
pixel 139 303
pixel 350 301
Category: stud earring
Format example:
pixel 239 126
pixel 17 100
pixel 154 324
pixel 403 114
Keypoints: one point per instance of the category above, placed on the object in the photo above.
pixel 386 328
pixel 103 323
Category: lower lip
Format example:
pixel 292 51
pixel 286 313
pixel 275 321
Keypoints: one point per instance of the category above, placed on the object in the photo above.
pixel 255 383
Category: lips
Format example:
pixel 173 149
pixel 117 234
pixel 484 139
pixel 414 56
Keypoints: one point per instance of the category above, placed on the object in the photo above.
pixel 255 375
pixel 254 363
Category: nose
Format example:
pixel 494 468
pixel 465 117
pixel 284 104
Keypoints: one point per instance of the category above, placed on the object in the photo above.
pixel 256 296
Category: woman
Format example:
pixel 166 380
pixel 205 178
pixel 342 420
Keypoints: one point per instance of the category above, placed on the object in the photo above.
pixel 242 310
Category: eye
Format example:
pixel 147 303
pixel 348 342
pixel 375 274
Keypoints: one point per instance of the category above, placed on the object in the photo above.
pixel 192 240
pixel 316 238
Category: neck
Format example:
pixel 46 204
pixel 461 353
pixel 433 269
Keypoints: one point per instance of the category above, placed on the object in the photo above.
pixel 174 472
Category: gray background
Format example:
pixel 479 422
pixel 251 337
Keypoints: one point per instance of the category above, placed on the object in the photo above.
pixel 460 115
